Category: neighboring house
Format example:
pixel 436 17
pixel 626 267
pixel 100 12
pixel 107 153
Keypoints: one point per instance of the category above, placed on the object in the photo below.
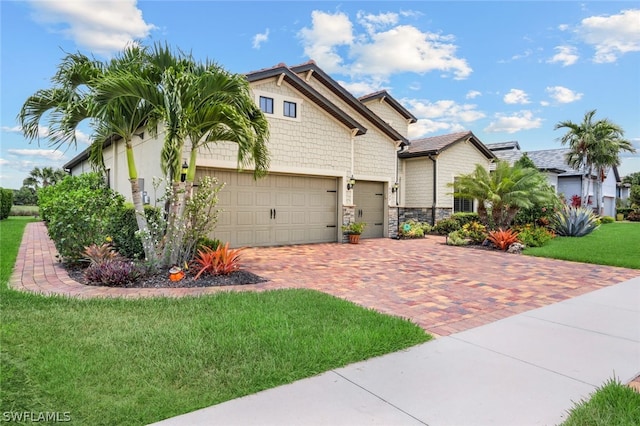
pixel 564 179
pixel 429 166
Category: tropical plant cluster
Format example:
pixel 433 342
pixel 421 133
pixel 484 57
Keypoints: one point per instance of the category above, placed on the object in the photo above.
pixel 89 222
pixel 158 91
pixel 413 229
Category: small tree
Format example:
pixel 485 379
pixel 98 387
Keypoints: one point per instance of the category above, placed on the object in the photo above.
pixel 503 192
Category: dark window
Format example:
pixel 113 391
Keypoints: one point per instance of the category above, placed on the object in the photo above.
pixel 290 109
pixel 462 205
pixel 266 104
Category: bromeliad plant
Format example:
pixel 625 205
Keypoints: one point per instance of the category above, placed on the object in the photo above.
pixel 502 239
pixel 221 261
pixel 572 221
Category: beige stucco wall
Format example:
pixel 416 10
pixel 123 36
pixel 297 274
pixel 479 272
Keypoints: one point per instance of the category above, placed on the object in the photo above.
pixel 417 188
pixel 375 154
pixel 459 159
pixel 314 144
pixel 389 116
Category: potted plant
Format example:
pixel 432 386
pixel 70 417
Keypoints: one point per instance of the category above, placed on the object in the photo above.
pixel 353 230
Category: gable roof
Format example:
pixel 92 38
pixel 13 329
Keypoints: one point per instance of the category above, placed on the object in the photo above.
pixel 314 71
pixel 383 95
pixel 300 85
pixel 552 160
pixel 437 144
pixel 503 146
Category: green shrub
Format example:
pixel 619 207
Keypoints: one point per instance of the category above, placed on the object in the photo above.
pixel 446 226
pixel 414 229
pixel 624 211
pixel 474 231
pixel 6 201
pixel 456 238
pixel 78 211
pixel 634 216
pixel 606 219
pixel 534 236
pixel 206 242
pixel 465 217
pixel 574 221
pixel 124 227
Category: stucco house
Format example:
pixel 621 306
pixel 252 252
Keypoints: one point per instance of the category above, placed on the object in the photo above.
pixel 566 180
pixel 335 159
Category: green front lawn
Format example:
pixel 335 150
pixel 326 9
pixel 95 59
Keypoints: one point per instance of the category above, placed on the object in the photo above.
pixel 133 362
pixel 615 244
pixel 613 404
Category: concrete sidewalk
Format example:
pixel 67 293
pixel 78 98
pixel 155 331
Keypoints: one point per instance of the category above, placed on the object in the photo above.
pixel 527 369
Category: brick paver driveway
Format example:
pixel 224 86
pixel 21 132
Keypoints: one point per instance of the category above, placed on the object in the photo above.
pixel 444 289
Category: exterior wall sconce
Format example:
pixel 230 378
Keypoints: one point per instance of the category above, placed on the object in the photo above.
pixel 183 174
pixel 394 187
pixel 351 183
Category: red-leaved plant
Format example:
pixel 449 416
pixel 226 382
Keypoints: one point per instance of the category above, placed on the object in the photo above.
pixel 503 238
pixel 221 261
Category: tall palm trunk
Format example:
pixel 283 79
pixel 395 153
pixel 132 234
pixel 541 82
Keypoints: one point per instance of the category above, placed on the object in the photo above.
pixel 136 195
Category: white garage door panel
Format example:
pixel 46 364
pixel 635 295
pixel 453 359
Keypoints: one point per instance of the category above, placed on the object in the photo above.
pixel 276 210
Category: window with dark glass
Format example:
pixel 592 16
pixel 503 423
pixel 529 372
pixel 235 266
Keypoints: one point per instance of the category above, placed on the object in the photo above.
pixel 462 205
pixel 289 109
pixel 266 105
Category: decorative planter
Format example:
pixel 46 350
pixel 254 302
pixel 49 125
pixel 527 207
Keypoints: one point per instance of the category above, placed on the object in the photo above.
pixel 619 217
pixel 176 274
pixel 354 238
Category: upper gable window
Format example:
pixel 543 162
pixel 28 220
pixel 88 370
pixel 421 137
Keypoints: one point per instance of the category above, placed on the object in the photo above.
pixel 290 109
pixel 266 105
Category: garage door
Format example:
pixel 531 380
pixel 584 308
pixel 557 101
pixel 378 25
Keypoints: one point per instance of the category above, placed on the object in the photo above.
pixel 370 202
pixel 275 210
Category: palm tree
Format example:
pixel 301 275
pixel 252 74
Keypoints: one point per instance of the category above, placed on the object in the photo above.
pixel 43 177
pixel 504 191
pixel 198 104
pixel 594 148
pixel 72 100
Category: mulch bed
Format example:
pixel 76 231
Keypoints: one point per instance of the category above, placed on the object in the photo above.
pixel 161 279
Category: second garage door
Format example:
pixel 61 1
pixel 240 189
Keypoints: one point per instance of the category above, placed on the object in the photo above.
pixel 369 200
pixel 275 210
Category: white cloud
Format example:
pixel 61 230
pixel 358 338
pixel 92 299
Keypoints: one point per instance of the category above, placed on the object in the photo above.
pixel 523 120
pixel 563 95
pixel 258 39
pixel 566 55
pixel 372 23
pixel 516 96
pixel 612 36
pixel 326 34
pixel 3 162
pixel 360 88
pixel 424 126
pixel 104 27
pixel 440 116
pixel 43 132
pixel 50 154
pixel 563 27
pixel 472 94
pixel 384 48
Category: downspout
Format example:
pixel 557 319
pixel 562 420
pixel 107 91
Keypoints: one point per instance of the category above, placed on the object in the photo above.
pixel 435 191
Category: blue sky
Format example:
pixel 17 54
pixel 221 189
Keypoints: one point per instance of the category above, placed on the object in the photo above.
pixel 504 70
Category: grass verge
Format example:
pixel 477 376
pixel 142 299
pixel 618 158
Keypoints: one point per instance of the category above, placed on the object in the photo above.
pixel 613 404
pixel 614 244
pixel 110 362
